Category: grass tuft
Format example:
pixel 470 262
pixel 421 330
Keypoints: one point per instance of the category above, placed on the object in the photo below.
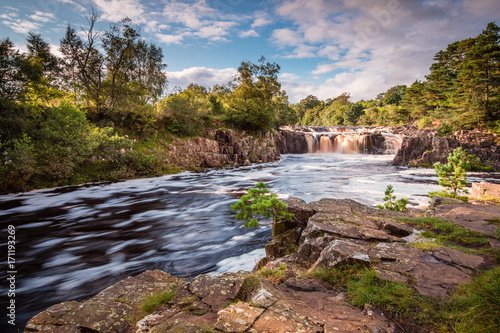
pixel 153 301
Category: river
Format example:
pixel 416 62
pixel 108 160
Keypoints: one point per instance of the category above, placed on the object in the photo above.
pixel 72 242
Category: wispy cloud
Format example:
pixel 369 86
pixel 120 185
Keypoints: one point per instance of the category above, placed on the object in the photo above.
pixel 43 17
pixel 200 75
pixel 116 10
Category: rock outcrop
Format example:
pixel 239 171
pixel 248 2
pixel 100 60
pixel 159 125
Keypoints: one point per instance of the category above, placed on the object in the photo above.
pixel 426 148
pixel 327 233
pixel 219 148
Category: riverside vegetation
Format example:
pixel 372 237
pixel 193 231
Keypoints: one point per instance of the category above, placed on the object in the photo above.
pixel 99 111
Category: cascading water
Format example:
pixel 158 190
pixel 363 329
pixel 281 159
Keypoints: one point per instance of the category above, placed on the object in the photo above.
pixel 346 140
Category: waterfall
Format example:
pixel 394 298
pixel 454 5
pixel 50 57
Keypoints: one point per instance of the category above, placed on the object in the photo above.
pixel 345 140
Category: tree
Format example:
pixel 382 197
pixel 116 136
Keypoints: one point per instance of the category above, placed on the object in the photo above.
pixel 478 79
pixel 85 64
pixel 251 105
pixel 394 95
pixel 391 203
pixel 453 175
pixel 12 84
pixel 260 203
pixel 114 71
pixel 183 113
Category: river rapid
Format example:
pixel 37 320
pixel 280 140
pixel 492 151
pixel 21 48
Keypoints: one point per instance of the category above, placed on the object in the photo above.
pixel 72 242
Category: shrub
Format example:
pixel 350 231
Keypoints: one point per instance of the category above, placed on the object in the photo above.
pixel 453 175
pixel 259 202
pixel 391 203
pixel 424 122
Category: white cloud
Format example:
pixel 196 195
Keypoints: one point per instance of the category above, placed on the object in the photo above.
pixel 116 10
pixel 200 75
pixel 249 33
pixel 189 15
pixel 22 26
pixel 170 39
pixel 368 47
pixel 44 17
pixel 286 37
pixel 261 22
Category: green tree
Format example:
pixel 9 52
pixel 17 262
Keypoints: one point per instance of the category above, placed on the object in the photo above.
pixel 391 203
pixel 183 113
pixel 478 80
pixel 394 95
pixel 260 203
pixel 251 103
pixel 453 175
pixel 12 84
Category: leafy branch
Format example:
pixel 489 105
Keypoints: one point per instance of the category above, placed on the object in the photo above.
pixel 260 203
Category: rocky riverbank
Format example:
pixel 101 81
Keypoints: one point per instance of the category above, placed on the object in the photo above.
pixel 285 292
pixel 423 148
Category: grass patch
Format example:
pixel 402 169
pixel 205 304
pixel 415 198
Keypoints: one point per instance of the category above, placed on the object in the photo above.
pixel 153 301
pixel 250 282
pixel 448 233
pixel 475 307
pixel 338 276
pixel 277 275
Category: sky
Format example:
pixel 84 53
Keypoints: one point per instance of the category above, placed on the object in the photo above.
pixel 324 47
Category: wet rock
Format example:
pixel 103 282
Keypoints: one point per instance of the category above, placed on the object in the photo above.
pixel 437 200
pixel 481 189
pixel 301 210
pixel 216 291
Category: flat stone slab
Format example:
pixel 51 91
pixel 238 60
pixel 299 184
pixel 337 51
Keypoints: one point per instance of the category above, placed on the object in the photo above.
pixel 458 257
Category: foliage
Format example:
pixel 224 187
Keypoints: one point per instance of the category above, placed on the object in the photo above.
pixel 251 104
pixel 276 275
pixel 153 301
pixel 424 122
pixel 183 113
pixel 453 175
pixel 259 202
pixel 18 165
pixel 391 203
pixel 445 129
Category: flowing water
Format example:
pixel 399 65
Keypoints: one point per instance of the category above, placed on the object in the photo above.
pixel 73 242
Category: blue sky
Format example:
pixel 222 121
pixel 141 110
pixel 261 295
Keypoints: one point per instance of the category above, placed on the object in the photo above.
pixel 324 47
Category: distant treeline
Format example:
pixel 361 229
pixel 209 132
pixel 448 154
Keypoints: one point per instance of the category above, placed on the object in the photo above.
pixel 100 112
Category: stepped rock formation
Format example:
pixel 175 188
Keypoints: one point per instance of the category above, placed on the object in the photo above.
pixel 327 233
pixel 424 148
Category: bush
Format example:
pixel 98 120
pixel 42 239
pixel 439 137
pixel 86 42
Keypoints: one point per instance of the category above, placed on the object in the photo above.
pixel 18 165
pixel 391 203
pixel 259 202
pixel 445 129
pixel 453 175
pixel 424 122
